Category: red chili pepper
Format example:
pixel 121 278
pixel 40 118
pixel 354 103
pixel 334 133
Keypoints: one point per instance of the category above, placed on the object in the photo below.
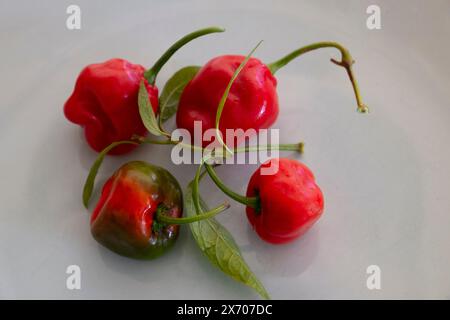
pixel 139 211
pixel 283 200
pixel 290 201
pixel 104 100
pixel 252 101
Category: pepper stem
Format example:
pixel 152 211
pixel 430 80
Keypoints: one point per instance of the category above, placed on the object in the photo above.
pixel 252 202
pixel 151 73
pixel 248 201
pixel 281 147
pixel 161 217
pixel 346 62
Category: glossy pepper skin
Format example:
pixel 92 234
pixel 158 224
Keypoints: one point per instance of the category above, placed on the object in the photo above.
pixel 252 101
pixel 124 218
pixel 290 201
pixel 104 103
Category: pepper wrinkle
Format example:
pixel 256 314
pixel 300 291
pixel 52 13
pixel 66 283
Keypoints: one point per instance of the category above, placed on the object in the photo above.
pixel 104 103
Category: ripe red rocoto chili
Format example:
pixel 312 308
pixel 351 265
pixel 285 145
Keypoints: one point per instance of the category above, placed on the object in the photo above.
pixel 104 100
pixel 252 101
pixel 290 201
pixel 283 200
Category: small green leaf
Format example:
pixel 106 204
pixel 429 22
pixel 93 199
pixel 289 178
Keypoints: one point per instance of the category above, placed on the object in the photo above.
pixel 220 248
pixel 170 96
pixel 89 184
pixel 146 111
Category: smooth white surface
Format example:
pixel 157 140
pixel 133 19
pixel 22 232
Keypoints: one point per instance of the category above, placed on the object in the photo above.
pixel 385 176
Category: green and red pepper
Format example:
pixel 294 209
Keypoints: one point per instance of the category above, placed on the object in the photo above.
pixel 125 220
pixel 140 210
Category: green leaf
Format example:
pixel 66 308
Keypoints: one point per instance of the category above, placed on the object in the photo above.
pixel 90 180
pixel 170 96
pixel 220 248
pixel 146 111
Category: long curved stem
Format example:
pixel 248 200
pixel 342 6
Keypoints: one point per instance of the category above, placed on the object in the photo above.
pixel 195 189
pixel 281 147
pixel 151 73
pixel 248 201
pixel 346 62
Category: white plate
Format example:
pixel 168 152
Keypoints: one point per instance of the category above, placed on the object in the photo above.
pixel 385 176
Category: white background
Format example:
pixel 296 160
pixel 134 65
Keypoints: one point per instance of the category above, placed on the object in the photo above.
pixel 385 176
